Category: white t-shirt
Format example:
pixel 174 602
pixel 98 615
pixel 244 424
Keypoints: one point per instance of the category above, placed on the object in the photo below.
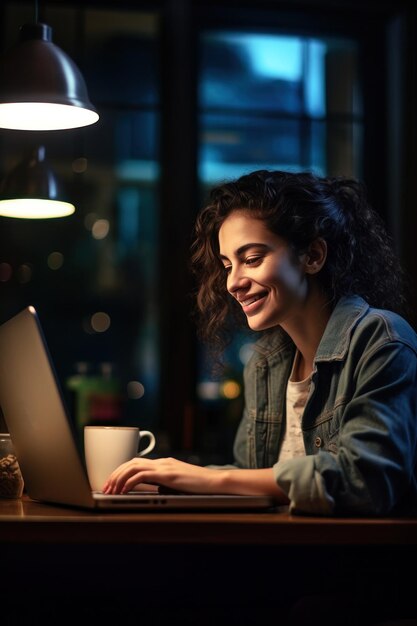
pixel 297 392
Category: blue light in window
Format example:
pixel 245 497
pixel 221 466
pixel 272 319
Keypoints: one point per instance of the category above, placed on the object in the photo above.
pixel 276 57
pixel 128 210
pixel 270 56
pixel 315 79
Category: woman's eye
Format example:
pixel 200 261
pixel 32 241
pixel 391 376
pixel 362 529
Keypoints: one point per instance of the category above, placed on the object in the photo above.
pixel 227 269
pixel 253 260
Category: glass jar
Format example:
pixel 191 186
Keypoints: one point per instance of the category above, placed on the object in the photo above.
pixel 11 480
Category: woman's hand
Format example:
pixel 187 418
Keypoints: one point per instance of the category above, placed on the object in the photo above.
pixel 166 472
pixel 179 476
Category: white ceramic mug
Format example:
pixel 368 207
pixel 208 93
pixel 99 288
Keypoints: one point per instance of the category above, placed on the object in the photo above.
pixel 107 447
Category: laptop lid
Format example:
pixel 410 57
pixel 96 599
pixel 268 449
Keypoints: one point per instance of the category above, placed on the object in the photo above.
pixel 44 439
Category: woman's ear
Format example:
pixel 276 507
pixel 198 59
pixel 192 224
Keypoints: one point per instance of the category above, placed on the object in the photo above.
pixel 315 256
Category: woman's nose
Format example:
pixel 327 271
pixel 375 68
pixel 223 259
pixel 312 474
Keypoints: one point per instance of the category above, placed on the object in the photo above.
pixel 236 280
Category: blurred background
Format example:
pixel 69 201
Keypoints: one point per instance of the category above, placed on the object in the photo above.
pixel 190 94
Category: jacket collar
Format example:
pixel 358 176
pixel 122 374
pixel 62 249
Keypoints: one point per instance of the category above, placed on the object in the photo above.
pixel 336 338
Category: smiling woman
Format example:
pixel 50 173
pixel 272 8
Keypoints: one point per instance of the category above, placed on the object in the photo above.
pixel 305 260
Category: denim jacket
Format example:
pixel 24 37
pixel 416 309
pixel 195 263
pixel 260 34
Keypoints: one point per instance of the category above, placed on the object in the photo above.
pixel 360 421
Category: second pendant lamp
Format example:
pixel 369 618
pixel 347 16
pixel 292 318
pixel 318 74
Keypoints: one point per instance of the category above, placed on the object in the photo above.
pixel 31 190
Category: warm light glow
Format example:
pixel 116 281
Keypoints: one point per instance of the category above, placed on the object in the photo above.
pixel 44 116
pixel 55 260
pixel 135 390
pixel 100 322
pixel 230 389
pixel 79 165
pixel 100 229
pixel 35 208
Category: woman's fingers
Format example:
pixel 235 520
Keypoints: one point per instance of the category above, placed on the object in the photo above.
pixel 117 479
pixel 166 472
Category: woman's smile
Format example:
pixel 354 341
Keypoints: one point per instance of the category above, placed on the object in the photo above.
pixel 251 303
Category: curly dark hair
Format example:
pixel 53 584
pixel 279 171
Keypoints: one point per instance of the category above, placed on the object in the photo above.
pixel 299 207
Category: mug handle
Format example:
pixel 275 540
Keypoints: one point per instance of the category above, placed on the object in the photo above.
pixel 146 433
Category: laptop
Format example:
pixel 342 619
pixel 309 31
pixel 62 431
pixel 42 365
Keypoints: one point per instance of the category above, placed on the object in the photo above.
pixel 45 441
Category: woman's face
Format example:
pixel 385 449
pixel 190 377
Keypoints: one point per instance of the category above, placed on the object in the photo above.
pixel 263 274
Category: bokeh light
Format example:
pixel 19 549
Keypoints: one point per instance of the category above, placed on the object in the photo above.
pixel 230 389
pixel 100 322
pixel 135 390
pixel 100 229
pixel 55 260
pixel 79 165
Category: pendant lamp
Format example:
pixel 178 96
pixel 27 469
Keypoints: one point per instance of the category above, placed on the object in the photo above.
pixel 41 88
pixel 31 190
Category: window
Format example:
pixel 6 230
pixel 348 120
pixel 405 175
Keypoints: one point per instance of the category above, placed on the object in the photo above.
pixel 276 101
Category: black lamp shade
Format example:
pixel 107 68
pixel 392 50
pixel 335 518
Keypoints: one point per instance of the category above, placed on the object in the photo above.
pixel 31 178
pixel 35 72
pixel 31 190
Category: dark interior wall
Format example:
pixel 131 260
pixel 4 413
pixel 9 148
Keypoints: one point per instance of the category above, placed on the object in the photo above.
pixel 406 183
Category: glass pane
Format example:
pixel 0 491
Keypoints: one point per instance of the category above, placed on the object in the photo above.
pixel 233 145
pixel 265 72
pixel 117 249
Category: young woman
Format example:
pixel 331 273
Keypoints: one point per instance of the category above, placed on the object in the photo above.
pixel 330 418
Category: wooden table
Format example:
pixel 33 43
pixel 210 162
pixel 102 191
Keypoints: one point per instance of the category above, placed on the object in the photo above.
pixel 25 521
pixel 204 569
